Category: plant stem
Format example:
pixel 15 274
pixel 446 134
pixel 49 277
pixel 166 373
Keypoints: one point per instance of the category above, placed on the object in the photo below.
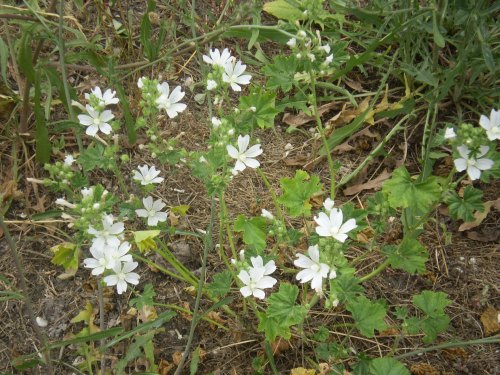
pixel 60 43
pixel 223 207
pixel 26 297
pixel 460 344
pixel 101 323
pixel 376 271
pixel 321 130
pixel 207 246
pixel 273 195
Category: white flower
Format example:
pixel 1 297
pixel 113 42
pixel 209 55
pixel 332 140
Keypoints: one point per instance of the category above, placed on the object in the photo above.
pixel 292 43
pixel 147 175
pixel 244 158
pixel 64 202
pixel 233 74
pixel 449 133
pixel 104 99
pixel 474 166
pixel 140 84
pixel 41 322
pixel 152 210
pixel 328 204
pixel 122 276
pixel 255 281
pixel 96 121
pixel 301 34
pixel 314 271
pixel 211 84
pixel 169 100
pixel 119 254
pixel 329 59
pixel 217 58
pixel 108 235
pixel 216 122
pixel 332 226
pixel 69 160
pixel 265 213
pixel 258 262
pixel 311 57
pixel 87 192
pixel 325 48
pixel 491 125
pixel 100 261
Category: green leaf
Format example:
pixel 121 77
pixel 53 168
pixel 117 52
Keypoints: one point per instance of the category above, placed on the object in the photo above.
pixel 25 58
pixel 387 366
pixel 66 254
pixel 403 191
pixel 283 10
pixel 438 38
pixel 298 191
pixel 280 74
pixel 4 58
pixel 346 288
pixel 195 360
pixel 93 157
pixel 272 327
pixel 221 284
pixel 431 303
pixel 24 362
pixel 254 231
pixel 42 143
pixel 259 109
pixel 368 316
pixel 464 208
pixel 144 239
pixel 282 305
pixel 410 256
pixel 146 298
pixel 134 350
pixel 435 319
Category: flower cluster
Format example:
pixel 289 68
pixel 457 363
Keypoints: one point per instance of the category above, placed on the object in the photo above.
pixel 226 70
pixel 245 157
pixel 314 269
pixel 110 255
pixel 152 210
pixel 470 144
pixel 159 94
pixel 98 117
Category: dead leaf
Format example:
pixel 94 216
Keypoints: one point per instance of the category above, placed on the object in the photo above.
pixel 453 354
pixel 484 236
pixel 391 331
pixel 215 316
pixel 302 118
pixel 176 357
pixel 423 369
pixel 353 85
pixel 489 318
pixel 164 367
pixel 324 369
pixel 8 190
pixel 480 216
pixel 147 314
pixel 376 183
pixel 279 346
pixel 174 219
pixel 302 371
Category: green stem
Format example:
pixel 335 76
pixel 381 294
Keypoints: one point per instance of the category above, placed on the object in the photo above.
pixel 273 195
pixel 376 271
pixel 26 296
pixel 321 130
pixel 460 344
pixel 223 207
pixel 61 46
pixel 207 246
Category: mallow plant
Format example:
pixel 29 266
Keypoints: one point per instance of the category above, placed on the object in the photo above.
pixel 297 256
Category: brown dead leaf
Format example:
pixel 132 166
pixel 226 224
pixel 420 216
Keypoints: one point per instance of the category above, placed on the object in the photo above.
pixel 489 318
pixel 164 367
pixel 480 216
pixel 391 331
pixel 186 316
pixel 484 236
pixel 376 183
pixel 453 354
pixel 147 314
pixel 353 85
pixel 302 118
pixel 279 346
pixel 174 219
pixel 176 357
pixel 8 190
pixel 302 371
pixel 215 316
pixel 423 369
pixel 324 369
